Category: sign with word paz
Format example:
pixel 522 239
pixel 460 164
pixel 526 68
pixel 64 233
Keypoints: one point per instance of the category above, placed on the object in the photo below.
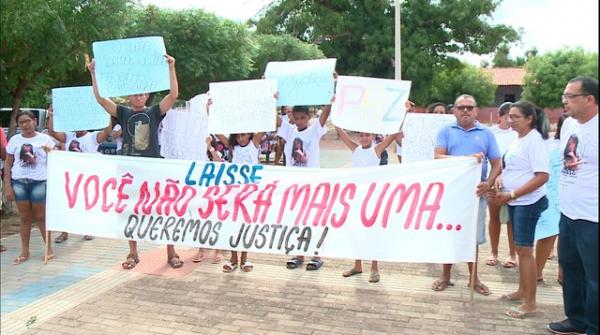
pixel 131 66
pixel 370 105
pixel 304 82
pixel 245 106
pixel 76 108
pixel 415 212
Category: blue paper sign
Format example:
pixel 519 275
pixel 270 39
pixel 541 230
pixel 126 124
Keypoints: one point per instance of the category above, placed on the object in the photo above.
pixel 547 224
pixel 76 108
pixel 306 82
pixel 131 66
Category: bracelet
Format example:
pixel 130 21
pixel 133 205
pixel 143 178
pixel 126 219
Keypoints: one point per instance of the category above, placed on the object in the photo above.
pixel 513 195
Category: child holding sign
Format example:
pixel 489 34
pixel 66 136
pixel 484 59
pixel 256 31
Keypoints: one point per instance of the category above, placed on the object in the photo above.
pixel 245 150
pixel 302 150
pixel 364 154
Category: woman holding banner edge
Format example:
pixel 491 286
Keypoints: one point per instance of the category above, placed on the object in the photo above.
pixel 140 136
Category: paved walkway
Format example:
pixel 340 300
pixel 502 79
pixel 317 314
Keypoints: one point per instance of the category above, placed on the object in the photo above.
pixel 84 291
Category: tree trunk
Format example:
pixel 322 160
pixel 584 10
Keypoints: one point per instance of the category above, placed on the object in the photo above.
pixel 18 98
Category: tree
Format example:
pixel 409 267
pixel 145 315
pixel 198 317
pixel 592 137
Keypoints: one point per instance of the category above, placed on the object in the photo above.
pixel 43 41
pixel 206 48
pixel 502 57
pixel 280 48
pixel 360 34
pixel 448 84
pixel 548 74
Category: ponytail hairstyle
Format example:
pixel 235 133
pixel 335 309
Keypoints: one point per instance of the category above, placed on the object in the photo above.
pixel 539 120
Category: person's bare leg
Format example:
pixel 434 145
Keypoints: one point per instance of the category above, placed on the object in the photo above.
pixel 494 228
pixel 39 214
pixel 543 248
pixel 25 214
pixel 512 250
pixel 133 247
pixel 527 274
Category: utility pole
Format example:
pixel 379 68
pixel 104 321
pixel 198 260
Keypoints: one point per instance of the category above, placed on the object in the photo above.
pixel 397 62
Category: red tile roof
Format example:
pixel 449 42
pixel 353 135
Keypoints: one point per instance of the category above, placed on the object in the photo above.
pixel 506 76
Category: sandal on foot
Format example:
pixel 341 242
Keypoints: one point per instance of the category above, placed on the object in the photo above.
pixel 509 263
pixel 491 260
pixel 199 257
pixel 20 260
pixel 2 248
pixel 217 259
pixel 440 285
pixel 314 264
pixel 481 289
pixel 229 267
pixel 351 272
pixel 175 262
pixel 517 313
pixel 88 237
pixel 130 262
pixel 61 238
pixel 509 297
pixel 247 266
pixel 294 262
pixel 373 277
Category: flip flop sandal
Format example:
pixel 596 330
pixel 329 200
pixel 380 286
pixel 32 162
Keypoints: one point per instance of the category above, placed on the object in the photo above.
pixel 229 267
pixel 509 263
pixel 61 238
pixel 247 266
pixel 198 258
pixel 481 289
pixel 130 262
pixel 20 260
pixel 517 313
pixel 294 262
pixel 491 261
pixel 175 262
pixel 350 272
pixel 2 248
pixel 440 285
pixel 374 277
pixel 314 264
pixel 88 237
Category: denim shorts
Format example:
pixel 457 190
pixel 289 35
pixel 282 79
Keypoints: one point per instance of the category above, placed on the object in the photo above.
pixel 524 219
pixel 30 190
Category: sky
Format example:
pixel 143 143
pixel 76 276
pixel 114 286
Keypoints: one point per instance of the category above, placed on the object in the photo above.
pixel 548 25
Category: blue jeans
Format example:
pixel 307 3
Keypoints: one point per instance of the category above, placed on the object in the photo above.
pixel 578 256
pixel 30 190
pixel 524 219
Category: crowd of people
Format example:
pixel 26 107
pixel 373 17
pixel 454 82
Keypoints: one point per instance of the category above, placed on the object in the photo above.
pixel 518 159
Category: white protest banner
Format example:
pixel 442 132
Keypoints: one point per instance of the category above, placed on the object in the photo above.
pixel 131 66
pixel 420 131
pixel 76 108
pixel 245 106
pixel 303 82
pixel 418 212
pixel 184 131
pixel 370 105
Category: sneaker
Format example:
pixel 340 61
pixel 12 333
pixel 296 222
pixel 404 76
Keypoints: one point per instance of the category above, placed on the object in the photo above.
pixel 564 328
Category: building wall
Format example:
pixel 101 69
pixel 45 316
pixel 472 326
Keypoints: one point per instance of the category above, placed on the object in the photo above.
pixel 507 93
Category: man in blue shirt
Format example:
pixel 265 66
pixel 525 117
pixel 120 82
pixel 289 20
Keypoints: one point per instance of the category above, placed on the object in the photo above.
pixel 467 137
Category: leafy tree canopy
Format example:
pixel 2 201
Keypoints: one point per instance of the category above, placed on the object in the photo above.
pixel 548 74
pixel 448 84
pixel 360 34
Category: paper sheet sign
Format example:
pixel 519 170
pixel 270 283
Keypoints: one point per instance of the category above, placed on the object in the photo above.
pixel 131 66
pixel 370 105
pixel 76 108
pixel 420 131
pixel 245 106
pixel 305 82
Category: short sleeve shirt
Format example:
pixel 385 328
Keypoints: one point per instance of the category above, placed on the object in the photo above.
pixel 302 147
pixel 460 142
pixel 30 159
pixel 140 131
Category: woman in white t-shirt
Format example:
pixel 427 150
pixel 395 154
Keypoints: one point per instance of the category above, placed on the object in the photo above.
pixel 525 171
pixel 365 153
pixel 25 178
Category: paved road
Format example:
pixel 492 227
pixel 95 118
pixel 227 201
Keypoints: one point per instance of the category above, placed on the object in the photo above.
pixel 84 291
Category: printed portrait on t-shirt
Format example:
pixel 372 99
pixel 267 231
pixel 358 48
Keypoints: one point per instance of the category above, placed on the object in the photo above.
pixel 570 157
pixel 27 156
pixel 75 146
pixel 138 126
pixel 299 157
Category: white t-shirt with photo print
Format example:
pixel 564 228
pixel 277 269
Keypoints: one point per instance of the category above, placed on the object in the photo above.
pixel 578 187
pixel 30 159
pixel 302 147
pixel 86 143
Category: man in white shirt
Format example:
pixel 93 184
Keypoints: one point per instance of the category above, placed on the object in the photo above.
pixel 578 247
